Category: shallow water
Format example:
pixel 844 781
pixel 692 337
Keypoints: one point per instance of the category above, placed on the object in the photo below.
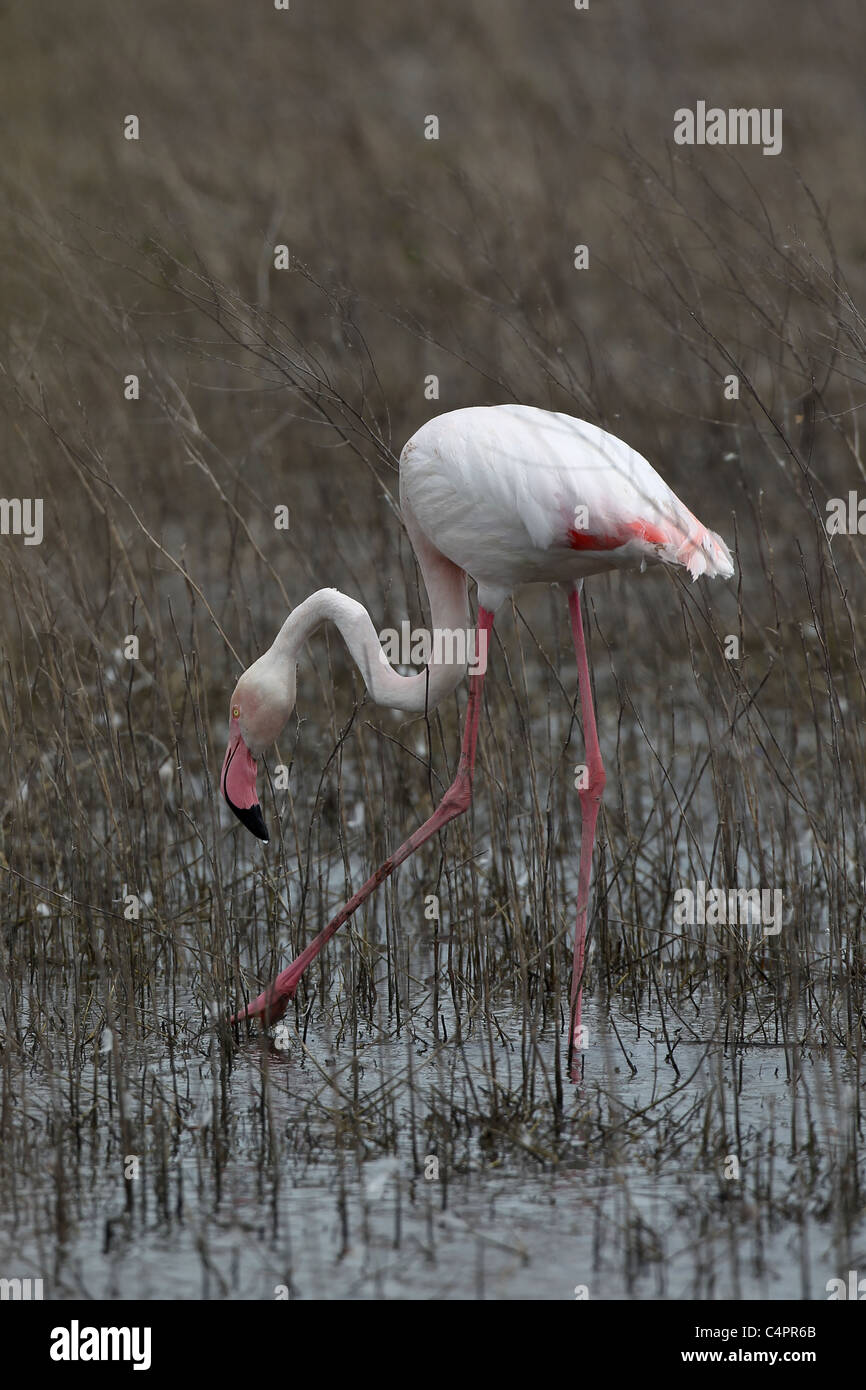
pixel 307 1176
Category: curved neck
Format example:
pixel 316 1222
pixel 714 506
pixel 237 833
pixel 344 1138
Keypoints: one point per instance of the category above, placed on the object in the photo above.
pixel 449 635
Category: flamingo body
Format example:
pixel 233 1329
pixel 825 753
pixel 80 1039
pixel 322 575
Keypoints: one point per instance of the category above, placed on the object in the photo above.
pixel 497 489
pixel 507 495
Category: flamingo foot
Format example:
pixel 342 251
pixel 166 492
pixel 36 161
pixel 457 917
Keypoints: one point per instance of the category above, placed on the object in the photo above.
pixel 273 1001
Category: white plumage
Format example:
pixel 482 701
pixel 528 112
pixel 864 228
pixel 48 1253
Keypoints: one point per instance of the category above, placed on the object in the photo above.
pixel 515 495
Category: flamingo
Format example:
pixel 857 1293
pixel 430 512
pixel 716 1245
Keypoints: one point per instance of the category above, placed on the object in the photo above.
pixel 505 495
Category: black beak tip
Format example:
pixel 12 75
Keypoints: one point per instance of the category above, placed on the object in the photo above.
pixel 252 818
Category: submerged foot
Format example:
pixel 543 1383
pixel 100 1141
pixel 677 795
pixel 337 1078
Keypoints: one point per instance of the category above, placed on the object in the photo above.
pixel 271 1003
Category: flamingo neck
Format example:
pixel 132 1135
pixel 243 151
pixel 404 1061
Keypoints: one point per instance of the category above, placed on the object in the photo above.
pixel 449 613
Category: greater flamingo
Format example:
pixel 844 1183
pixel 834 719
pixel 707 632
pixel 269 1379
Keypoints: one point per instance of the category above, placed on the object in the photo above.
pixel 507 495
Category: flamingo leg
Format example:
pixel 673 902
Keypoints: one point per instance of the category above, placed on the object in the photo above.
pixel 590 802
pixel 273 1002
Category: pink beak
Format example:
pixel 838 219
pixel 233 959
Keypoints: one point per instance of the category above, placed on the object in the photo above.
pixel 238 783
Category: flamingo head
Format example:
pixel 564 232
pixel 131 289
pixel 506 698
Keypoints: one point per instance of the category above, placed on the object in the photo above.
pixel 262 702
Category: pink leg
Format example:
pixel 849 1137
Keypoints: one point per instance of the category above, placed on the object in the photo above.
pixel 590 801
pixel 274 1001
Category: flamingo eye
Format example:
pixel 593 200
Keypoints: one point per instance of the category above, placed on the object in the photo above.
pixel 235 711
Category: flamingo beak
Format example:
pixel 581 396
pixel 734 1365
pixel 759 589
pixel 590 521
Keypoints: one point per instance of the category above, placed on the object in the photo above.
pixel 238 783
